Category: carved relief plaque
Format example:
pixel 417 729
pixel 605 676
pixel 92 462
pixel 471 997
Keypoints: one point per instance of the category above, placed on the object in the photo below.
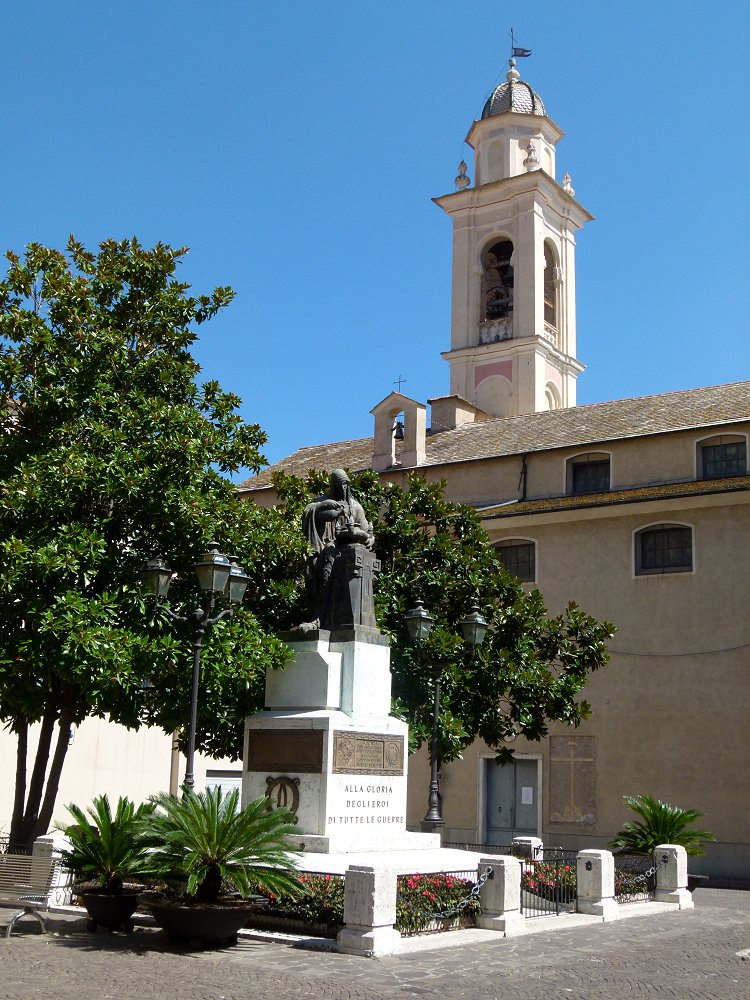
pixel 283 791
pixel 367 753
pixel 572 784
pixel 294 751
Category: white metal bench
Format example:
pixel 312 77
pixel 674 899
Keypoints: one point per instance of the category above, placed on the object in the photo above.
pixel 26 881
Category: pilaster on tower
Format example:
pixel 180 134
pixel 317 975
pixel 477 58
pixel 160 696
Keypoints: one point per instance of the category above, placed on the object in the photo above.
pixel 513 326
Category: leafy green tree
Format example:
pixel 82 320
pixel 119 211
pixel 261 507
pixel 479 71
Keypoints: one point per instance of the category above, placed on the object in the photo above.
pixel 660 823
pixel 531 667
pixel 110 451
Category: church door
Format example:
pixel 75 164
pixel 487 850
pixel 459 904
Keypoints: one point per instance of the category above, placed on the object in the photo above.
pixel 510 796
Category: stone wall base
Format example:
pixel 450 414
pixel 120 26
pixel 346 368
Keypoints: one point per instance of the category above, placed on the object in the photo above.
pixel 681 897
pixel 370 942
pixel 508 924
pixel 607 909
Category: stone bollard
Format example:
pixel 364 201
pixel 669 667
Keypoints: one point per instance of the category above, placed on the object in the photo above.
pixel 500 896
pixel 595 876
pixel 41 852
pixel 671 876
pixel 369 913
pixel 42 847
pixel 531 847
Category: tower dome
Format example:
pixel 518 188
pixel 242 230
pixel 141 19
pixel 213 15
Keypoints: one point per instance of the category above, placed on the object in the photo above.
pixel 514 95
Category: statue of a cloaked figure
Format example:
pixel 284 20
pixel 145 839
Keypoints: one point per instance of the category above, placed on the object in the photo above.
pixel 338 573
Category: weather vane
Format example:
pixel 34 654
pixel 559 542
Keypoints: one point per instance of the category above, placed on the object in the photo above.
pixel 517 53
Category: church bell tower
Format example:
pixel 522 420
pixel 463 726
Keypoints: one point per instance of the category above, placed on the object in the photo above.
pixel 513 326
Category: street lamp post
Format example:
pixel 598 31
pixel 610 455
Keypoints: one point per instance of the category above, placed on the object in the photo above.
pixel 218 576
pixel 419 624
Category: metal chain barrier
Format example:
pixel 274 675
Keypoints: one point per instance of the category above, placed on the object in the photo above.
pixel 641 875
pixel 488 873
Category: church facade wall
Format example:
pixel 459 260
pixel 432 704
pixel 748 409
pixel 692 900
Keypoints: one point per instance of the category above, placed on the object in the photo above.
pixel 669 710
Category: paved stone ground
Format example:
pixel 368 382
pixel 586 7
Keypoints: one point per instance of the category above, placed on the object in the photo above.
pixel 689 955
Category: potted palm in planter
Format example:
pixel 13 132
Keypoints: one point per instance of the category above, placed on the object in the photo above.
pixel 212 853
pixel 109 852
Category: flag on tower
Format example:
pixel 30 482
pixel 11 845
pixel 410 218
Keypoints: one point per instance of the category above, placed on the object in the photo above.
pixel 521 53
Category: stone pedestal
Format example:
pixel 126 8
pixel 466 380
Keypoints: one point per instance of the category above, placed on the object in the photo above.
pixel 369 913
pixel 530 846
pixel 671 876
pixel 501 897
pixel 595 876
pixel 327 747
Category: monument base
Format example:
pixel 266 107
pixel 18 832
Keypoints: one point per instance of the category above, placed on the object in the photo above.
pixel 357 843
pixel 327 748
pixel 414 860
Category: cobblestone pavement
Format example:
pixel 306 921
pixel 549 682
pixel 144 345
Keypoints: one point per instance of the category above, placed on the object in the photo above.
pixel 689 955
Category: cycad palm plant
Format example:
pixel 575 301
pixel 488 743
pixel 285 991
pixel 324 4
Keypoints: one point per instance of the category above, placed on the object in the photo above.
pixel 109 849
pixel 661 824
pixel 204 837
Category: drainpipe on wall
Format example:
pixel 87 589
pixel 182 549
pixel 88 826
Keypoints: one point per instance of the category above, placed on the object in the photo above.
pixel 522 478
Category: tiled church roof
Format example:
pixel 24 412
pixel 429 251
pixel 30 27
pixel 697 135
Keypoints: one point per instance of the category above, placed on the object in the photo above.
pixel 595 423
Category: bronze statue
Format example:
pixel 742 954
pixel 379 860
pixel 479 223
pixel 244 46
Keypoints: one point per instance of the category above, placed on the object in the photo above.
pixel 338 575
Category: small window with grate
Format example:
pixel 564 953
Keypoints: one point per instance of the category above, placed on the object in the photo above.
pixel 664 548
pixel 518 556
pixel 722 457
pixel 588 474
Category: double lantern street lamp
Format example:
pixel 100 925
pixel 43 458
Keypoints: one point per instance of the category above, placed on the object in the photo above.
pixel 419 624
pixel 218 576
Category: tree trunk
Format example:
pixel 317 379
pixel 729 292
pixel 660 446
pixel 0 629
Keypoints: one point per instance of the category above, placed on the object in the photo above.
pixel 31 815
pixel 20 792
pixel 53 778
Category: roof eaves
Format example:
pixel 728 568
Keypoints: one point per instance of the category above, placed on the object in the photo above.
pixel 611 498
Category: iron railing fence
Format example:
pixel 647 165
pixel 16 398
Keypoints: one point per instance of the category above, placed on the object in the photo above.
pixel 552 887
pixel 430 902
pixel 7 848
pixel 548 883
pixel 515 850
pixel 635 878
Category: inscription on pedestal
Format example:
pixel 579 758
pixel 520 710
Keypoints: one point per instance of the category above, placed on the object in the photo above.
pixel 290 750
pixel 367 753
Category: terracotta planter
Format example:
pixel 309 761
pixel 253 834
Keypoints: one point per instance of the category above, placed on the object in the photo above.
pixel 202 923
pixel 110 910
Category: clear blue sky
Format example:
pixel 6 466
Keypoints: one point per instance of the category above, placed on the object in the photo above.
pixel 295 146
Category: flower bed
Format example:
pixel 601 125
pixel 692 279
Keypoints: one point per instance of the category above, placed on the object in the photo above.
pixel 418 897
pixel 320 909
pixel 550 880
